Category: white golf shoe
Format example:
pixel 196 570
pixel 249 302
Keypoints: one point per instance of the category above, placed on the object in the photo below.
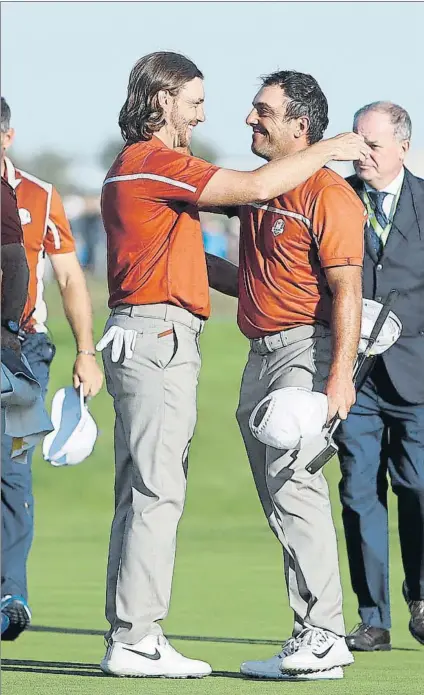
pixel 317 650
pixel 271 668
pixel 151 657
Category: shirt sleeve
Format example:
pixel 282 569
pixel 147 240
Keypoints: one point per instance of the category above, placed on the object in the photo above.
pixel 175 176
pixel 59 237
pixel 11 228
pixel 338 221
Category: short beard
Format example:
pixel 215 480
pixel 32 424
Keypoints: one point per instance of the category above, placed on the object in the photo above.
pixel 180 128
pixel 263 155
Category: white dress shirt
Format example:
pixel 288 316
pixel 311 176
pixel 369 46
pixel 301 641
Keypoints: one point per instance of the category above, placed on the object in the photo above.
pixel 392 189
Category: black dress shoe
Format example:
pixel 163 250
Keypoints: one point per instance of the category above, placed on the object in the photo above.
pixel 416 609
pixel 365 638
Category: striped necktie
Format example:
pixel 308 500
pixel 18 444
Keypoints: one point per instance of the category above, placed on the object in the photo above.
pixel 375 240
pixel 377 199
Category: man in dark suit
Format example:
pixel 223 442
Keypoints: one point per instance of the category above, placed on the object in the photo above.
pixel 385 429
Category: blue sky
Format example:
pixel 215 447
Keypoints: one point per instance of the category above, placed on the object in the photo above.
pixel 65 65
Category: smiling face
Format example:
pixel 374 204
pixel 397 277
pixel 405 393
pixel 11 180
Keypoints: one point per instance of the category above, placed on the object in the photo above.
pixel 186 111
pixel 388 151
pixel 274 135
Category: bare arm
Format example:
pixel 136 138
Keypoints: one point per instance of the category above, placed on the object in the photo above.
pixel 229 187
pixel 77 307
pixel 345 283
pixel 76 300
pixel 14 289
pixel 223 275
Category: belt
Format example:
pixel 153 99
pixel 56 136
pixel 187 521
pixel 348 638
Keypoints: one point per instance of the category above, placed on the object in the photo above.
pixel 275 341
pixel 166 312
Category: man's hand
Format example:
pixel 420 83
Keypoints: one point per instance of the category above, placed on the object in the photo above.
pixel 9 340
pixel 88 374
pixel 349 147
pixel 341 395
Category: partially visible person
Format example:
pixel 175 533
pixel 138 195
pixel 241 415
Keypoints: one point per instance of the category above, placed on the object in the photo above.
pixel 159 300
pixel 384 433
pixel 45 231
pixel 14 289
pixel 300 303
pixel 215 239
pixel 92 253
pixel 14 269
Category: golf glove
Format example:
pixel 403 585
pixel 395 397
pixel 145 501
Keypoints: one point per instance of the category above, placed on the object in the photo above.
pixel 120 338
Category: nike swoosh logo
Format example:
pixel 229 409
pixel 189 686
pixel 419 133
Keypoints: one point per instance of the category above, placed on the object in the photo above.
pixel 152 657
pixel 323 654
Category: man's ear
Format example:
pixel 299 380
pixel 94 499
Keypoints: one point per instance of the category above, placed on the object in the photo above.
pixel 302 127
pixel 405 147
pixel 7 138
pixel 163 98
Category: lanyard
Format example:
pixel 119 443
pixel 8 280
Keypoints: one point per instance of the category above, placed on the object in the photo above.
pixel 383 233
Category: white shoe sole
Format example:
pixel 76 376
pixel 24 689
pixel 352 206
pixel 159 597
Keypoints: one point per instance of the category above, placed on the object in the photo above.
pixel 335 673
pixel 131 673
pixel 315 668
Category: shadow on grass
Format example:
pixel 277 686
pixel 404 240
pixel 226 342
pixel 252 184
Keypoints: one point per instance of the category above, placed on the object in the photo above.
pixel 188 638
pixel 71 668
pixel 62 668
pixel 65 668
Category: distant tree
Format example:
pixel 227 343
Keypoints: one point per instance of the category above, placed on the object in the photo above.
pixel 204 150
pixel 109 152
pixel 49 166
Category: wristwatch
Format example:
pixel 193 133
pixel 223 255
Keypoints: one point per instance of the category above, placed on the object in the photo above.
pixel 11 326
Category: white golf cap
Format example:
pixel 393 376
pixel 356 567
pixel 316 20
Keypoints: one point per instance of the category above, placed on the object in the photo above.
pixel 75 431
pixel 289 418
pixel 390 332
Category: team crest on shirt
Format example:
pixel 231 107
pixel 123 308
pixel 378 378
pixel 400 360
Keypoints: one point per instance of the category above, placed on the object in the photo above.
pixel 25 216
pixel 278 227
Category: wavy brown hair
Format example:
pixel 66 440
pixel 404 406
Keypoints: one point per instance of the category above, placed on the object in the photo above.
pixel 141 115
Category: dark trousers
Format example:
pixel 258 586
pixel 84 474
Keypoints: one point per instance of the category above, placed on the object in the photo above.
pixel 16 484
pixel 383 434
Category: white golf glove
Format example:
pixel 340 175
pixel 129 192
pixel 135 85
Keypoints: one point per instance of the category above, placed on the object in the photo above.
pixel 120 338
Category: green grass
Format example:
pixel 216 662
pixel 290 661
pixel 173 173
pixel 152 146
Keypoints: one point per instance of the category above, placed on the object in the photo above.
pixel 228 577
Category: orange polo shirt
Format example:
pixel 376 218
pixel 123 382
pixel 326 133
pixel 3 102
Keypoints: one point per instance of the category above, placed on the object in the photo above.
pixel 285 247
pixel 154 238
pixel 46 230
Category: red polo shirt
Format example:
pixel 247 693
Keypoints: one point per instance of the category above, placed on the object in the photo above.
pixel 154 238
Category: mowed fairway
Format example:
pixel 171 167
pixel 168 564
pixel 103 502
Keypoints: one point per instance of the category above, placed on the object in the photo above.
pixel 228 579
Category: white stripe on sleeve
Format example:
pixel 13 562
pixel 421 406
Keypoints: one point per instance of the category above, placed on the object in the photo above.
pixel 152 177
pixel 286 213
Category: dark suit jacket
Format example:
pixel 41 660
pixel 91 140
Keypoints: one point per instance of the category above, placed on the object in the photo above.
pixel 401 267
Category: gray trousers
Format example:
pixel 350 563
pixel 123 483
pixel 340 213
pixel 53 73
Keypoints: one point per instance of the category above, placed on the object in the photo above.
pixel 154 396
pixel 295 503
